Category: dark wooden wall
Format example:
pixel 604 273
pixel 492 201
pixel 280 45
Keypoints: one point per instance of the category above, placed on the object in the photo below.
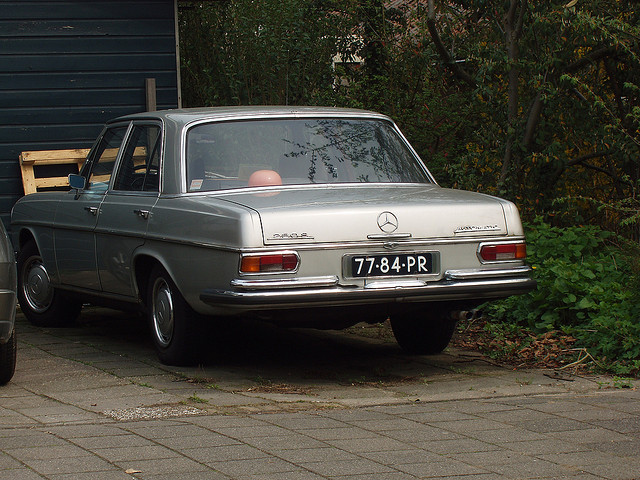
pixel 68 66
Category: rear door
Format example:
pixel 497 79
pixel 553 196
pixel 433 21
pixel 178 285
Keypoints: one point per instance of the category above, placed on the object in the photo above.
pixel 78 212
pixel 126 208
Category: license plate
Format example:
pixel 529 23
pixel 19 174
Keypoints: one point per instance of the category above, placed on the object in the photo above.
pixel 391 265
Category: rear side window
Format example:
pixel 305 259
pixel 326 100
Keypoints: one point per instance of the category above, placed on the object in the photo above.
pixel 104 158
pixel 139 169
pixel 236 154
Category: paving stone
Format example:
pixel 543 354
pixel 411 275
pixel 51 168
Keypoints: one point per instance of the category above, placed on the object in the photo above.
pixel 130 453
pixel 243 468
pixel 378 444
pixel 304 455
pixel 470 425
pixel 197 441
pixel 421 434
pixel 353 467
pixel 75 465
pixel 399 457
pixel 591 436
pixel 534 468
pixel 395 423
pixel 23 473
pixel 436 417
pixel 214 422
pixel 578 459
pixel 282 442
pixel 487 459
pixel 623 448
pixel 302 422
pixel 224 453
pixel 90 430
pixel 170 429
pixel 106 475
pixel 343 433
pixel 554 424
pixel 208 475
pixel 543 446
pixel 380 476
pixel 7 462
pixel 48 452
pixel 123 440
pixel 164 466
pixel 253 431
pixel 440 469
pixel 622 425
pixel 614 471
pixel 24 439
pixel 505 435
pixel 295 475
pixel 462 445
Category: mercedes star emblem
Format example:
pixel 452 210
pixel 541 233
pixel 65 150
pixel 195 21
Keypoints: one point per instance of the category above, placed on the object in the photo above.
pixel 387 222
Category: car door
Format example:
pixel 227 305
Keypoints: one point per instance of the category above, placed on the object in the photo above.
pixel 126 208
pixel 78 212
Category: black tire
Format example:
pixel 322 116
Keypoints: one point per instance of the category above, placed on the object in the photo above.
pixel 175 327
pixel 423 334
pixel 41 303
pixel 8 359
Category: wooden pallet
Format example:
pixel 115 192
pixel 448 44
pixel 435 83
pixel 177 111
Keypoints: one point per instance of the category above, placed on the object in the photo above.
pixel 31 159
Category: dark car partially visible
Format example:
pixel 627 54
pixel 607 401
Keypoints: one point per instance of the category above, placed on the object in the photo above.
pixel 7 308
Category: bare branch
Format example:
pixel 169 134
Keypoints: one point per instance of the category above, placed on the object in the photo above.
pixel 455 68
pixel 591 57
pixel 589 156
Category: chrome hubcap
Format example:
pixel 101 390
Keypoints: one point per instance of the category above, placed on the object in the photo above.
pixel 162 312
pixel 36 285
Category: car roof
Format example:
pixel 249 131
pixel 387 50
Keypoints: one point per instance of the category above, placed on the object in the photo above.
pixel 188 115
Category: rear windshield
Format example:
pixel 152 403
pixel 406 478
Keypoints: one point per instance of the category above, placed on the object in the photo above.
pixel 237 154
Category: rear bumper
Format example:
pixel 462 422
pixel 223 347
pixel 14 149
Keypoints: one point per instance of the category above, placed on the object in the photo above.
pixel 325 291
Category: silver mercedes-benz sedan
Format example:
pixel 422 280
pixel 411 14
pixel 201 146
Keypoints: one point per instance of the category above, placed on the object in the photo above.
pixel 7 308
pixel 314 217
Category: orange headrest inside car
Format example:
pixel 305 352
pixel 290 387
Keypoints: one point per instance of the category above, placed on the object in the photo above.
pixel 264 178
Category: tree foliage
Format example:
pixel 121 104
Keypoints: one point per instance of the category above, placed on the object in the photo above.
pixel 535 101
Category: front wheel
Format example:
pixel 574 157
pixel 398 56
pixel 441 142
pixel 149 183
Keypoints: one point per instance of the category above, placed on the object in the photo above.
pixel 174 325
pixel 41 303
pixel 8 359
pixel 423 333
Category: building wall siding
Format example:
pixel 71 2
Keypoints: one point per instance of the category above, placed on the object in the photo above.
pixel 68 66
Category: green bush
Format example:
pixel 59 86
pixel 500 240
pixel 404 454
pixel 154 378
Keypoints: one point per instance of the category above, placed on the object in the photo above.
pixel 587 288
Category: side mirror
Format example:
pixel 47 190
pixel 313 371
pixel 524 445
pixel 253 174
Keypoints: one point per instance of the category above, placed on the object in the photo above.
pixel 77 182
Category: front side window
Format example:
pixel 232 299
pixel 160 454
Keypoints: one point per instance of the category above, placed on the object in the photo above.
pixel 105 158
pixel 223 155
pixel 139 169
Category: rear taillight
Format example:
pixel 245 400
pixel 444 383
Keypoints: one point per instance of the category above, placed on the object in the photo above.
pixel 503 252
pixel 272 262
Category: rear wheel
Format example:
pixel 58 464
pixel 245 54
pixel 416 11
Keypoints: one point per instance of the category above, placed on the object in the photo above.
pixel 174 325
pixel 41 303
pixel 8 359
pixel 423 334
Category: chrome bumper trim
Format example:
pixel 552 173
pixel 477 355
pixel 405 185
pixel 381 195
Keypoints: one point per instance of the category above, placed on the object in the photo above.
pixel 486 273
pixel 280 283
pixel 238 301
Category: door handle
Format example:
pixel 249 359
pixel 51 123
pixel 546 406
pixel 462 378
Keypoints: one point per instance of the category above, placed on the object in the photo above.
pixel 92 210
pixel 142 213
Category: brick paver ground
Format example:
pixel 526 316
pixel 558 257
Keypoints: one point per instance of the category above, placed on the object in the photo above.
pixel 87 403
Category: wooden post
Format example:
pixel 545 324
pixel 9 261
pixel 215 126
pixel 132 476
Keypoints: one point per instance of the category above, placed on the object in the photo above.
pixel 150 92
